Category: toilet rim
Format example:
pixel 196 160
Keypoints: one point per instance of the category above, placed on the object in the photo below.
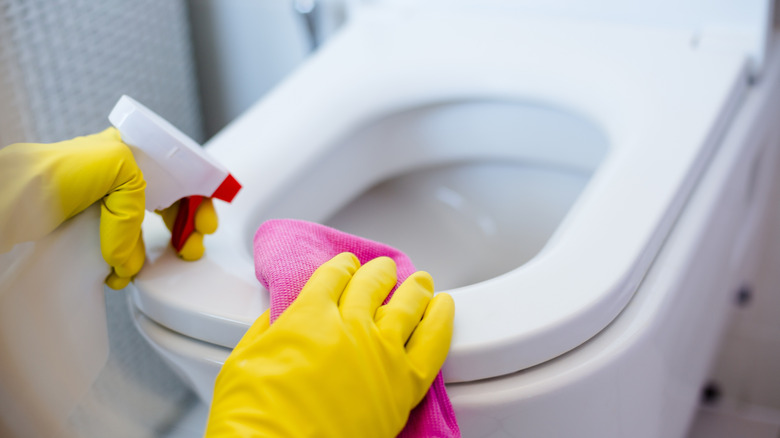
pixel 530 327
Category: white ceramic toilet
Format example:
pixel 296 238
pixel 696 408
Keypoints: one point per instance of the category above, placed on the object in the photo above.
pixel 585 180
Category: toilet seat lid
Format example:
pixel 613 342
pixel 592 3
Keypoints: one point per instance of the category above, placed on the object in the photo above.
pixel 577 285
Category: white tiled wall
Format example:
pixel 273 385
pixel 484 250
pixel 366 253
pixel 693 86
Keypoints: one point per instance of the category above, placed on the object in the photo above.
pixel 748 366
pixel 747 369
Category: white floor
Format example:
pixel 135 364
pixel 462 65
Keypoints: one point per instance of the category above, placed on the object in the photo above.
pixel 726 420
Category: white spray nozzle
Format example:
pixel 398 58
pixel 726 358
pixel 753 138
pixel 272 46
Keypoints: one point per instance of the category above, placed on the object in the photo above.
pixel 173 165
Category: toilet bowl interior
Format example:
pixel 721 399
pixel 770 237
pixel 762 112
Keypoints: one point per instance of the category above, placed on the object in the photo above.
pixel 465 222
pixel 468 189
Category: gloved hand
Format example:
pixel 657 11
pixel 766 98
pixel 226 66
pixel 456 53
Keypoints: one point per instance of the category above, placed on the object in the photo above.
pixel 42 185
pixel 205 223
pixel 336 363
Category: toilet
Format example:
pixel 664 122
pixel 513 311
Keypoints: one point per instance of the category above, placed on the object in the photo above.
pixel 585 180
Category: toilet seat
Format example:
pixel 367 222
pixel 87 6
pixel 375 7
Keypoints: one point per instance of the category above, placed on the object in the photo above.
pixel 662 103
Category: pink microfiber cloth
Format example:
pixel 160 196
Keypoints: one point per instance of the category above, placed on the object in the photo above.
pixel 286 254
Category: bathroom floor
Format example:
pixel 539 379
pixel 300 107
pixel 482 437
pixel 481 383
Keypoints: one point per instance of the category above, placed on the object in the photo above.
pixel 727 420
pixel 721 421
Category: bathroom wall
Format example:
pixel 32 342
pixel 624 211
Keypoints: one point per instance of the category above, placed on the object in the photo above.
pixel 745 373
pixel 777 14
pixel 64 64
pixel 243 48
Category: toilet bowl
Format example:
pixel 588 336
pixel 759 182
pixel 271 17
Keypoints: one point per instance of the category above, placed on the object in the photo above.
pixel 580 188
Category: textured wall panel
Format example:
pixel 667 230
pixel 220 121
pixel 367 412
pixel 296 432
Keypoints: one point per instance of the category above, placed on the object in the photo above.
pixel 64 63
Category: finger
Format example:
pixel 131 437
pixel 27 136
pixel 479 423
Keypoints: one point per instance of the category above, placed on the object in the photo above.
pixel 206 217
pixel 330 279
pixel 256 330
pixel 368 288
pixel 398 318
pixel 120 276
pixel 169 215
pixel 116 282
pixel 122 212
pixel 83 181
pixel 193 248
pixel 205 223
pixel 430 342
pixel 134 262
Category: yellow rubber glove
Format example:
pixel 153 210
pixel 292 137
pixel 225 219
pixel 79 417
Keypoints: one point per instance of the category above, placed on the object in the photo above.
pixel 42 185
pixel 205 223
pixel 336 363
